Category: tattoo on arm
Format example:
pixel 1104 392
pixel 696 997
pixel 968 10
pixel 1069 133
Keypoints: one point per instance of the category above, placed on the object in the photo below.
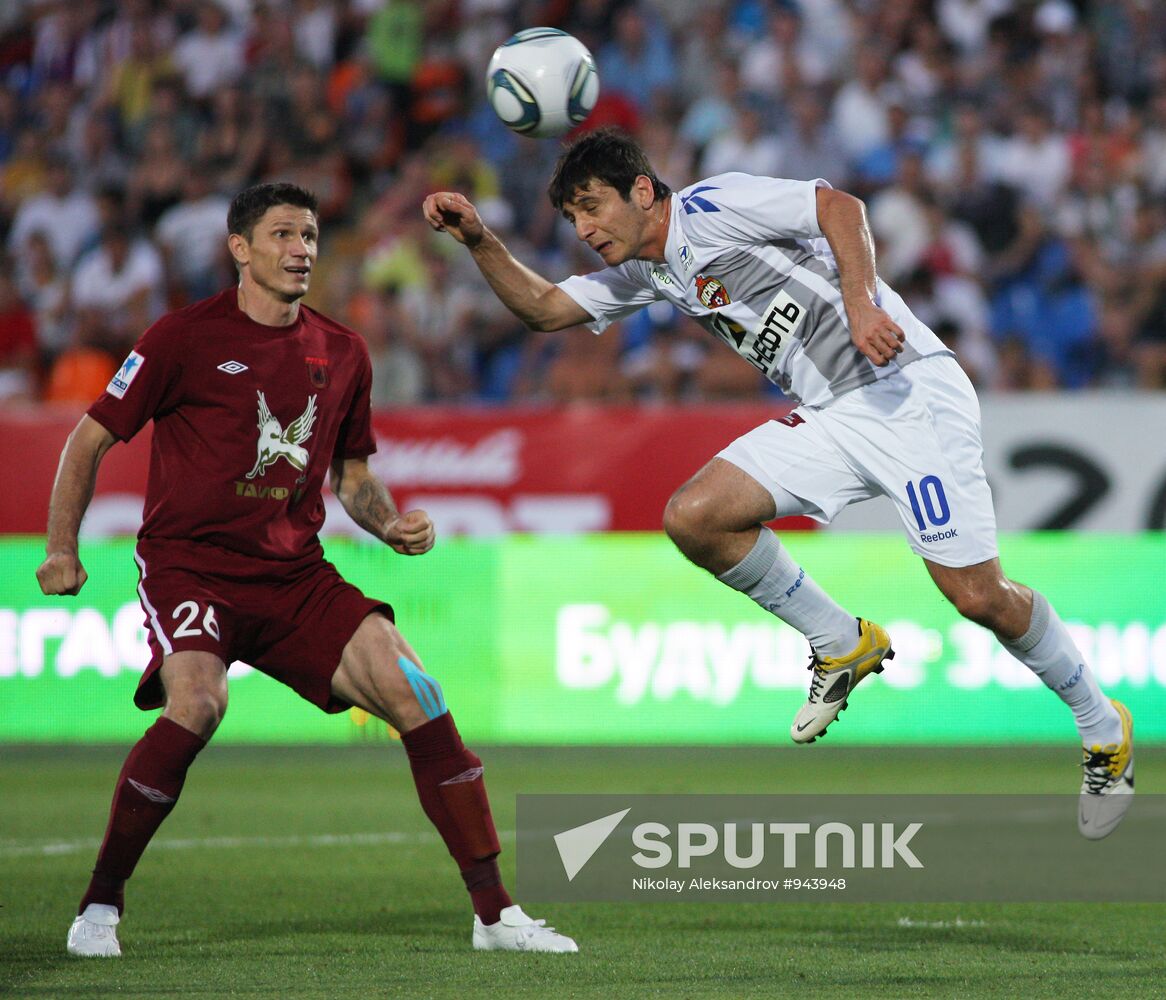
pixel 372 507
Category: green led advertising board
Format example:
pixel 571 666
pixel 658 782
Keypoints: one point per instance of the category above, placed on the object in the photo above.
pixel 617 639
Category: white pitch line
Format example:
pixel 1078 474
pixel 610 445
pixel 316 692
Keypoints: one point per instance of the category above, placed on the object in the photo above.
pixel 59 847
pixel 958 923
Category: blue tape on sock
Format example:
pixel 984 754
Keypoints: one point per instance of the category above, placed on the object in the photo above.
pixel 425 688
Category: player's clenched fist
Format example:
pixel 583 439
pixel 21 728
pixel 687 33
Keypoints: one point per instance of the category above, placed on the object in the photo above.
pixel 876 335
pixel 450 212
pixel 61 573
pixel 411 534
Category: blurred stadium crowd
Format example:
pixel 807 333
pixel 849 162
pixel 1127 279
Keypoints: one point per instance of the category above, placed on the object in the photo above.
pixel 1012 155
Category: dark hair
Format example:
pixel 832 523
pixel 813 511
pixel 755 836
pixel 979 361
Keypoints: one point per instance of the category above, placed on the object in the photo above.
pixel 606 155
pixel 251 204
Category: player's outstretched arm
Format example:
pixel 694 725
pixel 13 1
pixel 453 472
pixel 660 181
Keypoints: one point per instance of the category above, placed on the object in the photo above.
pixel 62 572
pixel 539 303
pixel 370 505
pixel 842 219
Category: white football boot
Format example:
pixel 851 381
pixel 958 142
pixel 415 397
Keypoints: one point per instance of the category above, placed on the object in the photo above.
pixel 1107 791
pixel 515 931
pixel 94 933
pixel 835 677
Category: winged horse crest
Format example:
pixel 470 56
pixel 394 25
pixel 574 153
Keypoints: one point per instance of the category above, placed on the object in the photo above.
pixel 276 443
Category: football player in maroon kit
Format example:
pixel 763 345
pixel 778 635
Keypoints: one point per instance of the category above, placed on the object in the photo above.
pixel 255 398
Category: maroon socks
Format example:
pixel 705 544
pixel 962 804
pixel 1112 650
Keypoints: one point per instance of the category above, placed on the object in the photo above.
pixel 146 791
pixel 449 785
pixel 452 793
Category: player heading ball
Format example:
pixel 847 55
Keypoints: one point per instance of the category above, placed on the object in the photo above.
pixel 783 273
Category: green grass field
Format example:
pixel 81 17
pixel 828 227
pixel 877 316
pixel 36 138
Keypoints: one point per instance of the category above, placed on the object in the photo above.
pixel 312 873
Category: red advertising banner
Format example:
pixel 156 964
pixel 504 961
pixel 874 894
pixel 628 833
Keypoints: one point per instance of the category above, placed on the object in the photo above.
pixel 477 471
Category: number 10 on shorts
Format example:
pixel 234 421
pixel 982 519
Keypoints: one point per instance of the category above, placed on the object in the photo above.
pixel 929 499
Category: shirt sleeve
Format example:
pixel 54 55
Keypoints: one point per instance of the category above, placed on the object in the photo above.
pixel 757 209
pixel 610 294
pixel 355 439
pixel 147 384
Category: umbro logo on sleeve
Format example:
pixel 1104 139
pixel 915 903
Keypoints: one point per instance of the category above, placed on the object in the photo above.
pixel 232 367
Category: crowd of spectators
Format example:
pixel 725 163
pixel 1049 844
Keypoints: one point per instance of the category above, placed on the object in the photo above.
pixel 1012 155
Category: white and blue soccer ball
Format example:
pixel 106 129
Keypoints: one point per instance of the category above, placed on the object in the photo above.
pixel 542 82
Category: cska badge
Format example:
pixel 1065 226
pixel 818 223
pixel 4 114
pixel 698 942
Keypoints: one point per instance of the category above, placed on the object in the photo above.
pixel 712 292
pixel 317 372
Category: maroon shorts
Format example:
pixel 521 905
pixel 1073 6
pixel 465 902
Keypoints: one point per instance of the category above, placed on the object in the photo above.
pixel 291 622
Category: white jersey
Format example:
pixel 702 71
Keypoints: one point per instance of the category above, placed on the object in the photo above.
pixel 746 258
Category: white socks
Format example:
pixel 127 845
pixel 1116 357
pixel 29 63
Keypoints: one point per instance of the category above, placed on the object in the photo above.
pixel 774 580
pixel 771 577
pixel 1049 652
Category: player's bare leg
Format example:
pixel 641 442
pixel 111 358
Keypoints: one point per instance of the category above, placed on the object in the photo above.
pixel 147 790
pixel 380 672
pixel 715 517
pixel 1029 628
pixel 717 520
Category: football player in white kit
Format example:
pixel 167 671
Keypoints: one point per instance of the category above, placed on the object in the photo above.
pixel 784 273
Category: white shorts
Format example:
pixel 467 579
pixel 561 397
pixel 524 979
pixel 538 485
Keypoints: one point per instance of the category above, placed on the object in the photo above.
pixel 913 436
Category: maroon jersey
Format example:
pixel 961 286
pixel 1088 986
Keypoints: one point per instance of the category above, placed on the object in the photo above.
pixel 247 420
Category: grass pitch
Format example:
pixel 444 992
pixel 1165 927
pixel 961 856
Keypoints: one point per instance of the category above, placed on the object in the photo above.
pixel 307 872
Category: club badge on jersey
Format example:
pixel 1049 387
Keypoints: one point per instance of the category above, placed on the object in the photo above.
pixel 317 372
pixel 712 292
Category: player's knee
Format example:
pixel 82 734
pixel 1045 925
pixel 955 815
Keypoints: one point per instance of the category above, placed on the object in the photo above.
pixel 686 518
pixel 981 605
pixel 198 709
pixel 196 691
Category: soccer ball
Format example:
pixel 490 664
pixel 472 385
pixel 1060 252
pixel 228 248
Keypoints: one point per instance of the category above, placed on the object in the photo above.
pixel 542 82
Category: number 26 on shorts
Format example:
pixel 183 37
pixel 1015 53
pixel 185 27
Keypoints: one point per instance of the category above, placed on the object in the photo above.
pixel 188 612
pixel 929 499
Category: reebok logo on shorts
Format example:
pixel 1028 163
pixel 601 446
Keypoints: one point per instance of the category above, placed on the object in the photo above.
pixel 940 536
pixel 125 375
